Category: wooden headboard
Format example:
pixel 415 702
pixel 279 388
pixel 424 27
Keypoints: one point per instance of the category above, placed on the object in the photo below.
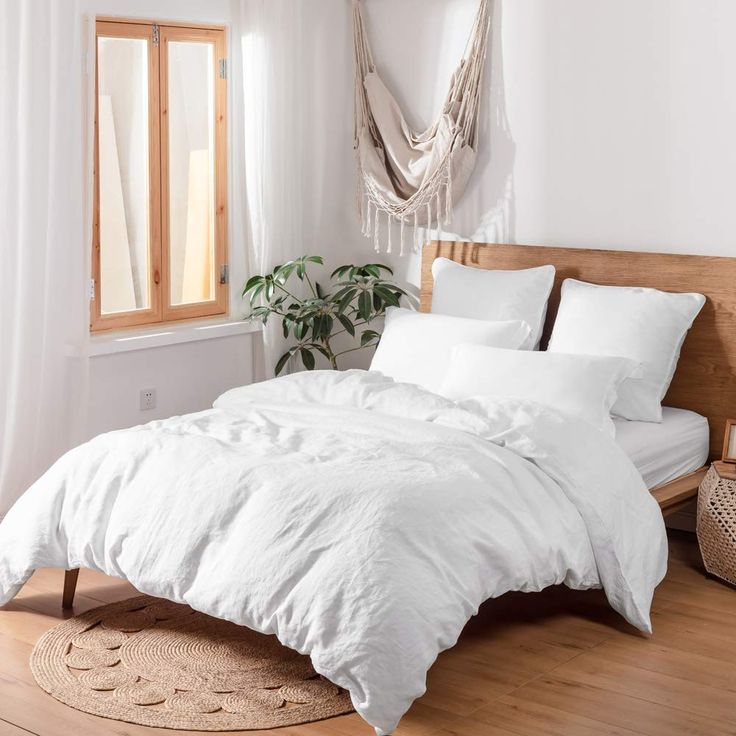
pixel 705 380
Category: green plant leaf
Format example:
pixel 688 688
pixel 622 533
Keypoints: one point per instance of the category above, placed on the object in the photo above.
pixel 327 324
pixel 251 283
pixel 307 358
pixel 300 330
pixel 254 294
pixel 315 259
pixel 349 289
pixel 386 295
pixel 347 324
pixel 283 360
pixel 391 286
pixel 368 336
pixel 317 327
pixel 282 273
pixel 269 288
pixel 340 271
pixel 322 326
pixel 364 305
pixel 382 267
pixel 345 299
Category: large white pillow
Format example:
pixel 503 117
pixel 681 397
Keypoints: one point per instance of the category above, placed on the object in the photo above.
pixel 582 386
pixel 646 325
pixel 464 291
pixel 416 347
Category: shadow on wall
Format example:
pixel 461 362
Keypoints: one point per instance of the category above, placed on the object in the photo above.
pixel 488 213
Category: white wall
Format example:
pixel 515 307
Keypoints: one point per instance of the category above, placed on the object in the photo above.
pixel 622 114
pixel 606 123
pixel 189 376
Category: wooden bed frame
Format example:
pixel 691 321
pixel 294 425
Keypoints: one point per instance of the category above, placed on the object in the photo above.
pixel 705 380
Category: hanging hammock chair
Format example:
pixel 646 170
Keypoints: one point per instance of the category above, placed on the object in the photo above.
pixel 414 178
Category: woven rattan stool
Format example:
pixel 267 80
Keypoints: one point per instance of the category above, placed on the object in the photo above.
pixel 717 521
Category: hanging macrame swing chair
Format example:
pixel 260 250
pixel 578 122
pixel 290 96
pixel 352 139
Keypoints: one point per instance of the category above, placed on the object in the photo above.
pixel 414 178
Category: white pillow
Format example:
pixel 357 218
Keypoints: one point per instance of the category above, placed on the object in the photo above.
pixel 646 325
pixel 582 386
pixel 416 347
pixel 464 291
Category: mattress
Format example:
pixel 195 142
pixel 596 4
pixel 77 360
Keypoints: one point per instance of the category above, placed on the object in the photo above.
pixel 663 452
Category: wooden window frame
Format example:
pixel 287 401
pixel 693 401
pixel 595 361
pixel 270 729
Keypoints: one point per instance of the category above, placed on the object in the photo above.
pixel 159 35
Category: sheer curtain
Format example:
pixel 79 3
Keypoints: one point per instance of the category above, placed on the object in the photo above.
pixel 276 90
pixel 43 238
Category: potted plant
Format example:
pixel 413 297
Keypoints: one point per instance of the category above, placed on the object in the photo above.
pixel 354 298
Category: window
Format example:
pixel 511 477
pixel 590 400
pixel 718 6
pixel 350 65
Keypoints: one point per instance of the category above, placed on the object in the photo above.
pixel 160 217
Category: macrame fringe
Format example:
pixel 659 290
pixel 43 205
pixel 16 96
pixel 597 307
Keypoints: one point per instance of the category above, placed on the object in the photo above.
pixel 367 218
pixel 437 213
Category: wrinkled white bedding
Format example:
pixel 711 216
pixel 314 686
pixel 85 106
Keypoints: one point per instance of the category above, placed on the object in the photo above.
pixel 361 521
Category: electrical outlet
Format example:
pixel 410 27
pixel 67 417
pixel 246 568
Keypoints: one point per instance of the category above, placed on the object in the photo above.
pixel 148 399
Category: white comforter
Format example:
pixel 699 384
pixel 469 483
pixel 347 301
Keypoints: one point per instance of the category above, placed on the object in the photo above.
pixel 361 521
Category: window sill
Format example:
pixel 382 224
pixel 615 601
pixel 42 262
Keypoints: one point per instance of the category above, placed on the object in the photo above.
pixel 164 335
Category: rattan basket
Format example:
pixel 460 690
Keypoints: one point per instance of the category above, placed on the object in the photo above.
pixel 717 524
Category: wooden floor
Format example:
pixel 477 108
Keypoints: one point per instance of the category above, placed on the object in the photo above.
pixel 557 663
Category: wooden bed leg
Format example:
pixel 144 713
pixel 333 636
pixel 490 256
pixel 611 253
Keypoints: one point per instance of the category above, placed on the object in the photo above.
pixel 70 585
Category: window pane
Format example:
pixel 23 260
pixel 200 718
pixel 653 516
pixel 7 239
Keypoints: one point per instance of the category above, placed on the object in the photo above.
pixel 191 112
pixel 124 174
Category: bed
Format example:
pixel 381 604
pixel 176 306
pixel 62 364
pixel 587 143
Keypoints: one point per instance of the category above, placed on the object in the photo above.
pixel 363 521
pixel 705 380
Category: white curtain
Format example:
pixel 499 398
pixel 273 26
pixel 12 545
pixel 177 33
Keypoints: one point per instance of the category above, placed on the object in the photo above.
pixel 43 237
pixel 277 108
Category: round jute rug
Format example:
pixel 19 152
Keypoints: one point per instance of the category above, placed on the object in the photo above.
pixel 156 663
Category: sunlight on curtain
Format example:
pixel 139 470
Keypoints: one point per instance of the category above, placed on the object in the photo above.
pixel 43 237
pixel 276 90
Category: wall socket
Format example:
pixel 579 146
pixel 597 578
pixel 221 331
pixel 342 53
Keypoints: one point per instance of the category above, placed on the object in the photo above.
pixel 148 399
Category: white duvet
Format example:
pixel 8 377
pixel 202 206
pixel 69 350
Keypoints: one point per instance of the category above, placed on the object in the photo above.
pixel 360 521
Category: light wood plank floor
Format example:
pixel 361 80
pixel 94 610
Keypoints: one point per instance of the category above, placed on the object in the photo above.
pixel 557 663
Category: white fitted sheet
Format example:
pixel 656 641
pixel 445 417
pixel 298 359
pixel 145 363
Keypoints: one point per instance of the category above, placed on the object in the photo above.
pixel 663 452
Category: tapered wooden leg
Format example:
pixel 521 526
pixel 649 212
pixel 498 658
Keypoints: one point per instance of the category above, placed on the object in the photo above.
pixel 70 585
